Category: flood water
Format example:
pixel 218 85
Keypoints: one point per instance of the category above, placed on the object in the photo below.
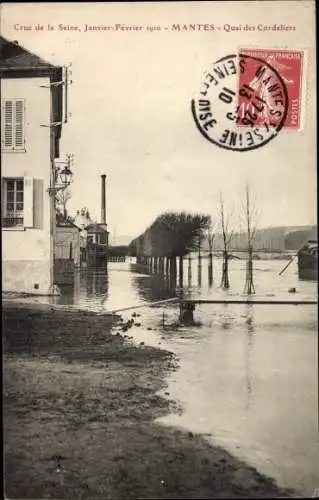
pixel 248 374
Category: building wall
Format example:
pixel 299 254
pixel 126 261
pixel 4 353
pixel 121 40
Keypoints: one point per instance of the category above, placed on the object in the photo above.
pixel 26 250
pixel 83 238
pixel 64 237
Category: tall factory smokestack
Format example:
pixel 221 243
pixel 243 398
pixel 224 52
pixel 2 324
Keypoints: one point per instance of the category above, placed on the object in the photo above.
pixel 103 202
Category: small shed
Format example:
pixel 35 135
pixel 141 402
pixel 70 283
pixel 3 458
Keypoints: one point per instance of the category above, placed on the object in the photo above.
pixel 97 244
pixel 308 261
pixel 67 241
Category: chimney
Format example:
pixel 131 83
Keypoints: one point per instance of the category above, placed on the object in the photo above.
pixel 103 209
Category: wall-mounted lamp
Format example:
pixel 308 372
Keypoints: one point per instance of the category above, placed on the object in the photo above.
pixel 62 177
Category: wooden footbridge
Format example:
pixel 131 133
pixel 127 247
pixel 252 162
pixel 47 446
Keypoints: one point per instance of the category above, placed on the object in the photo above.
pixel 249 301
pixel 187 305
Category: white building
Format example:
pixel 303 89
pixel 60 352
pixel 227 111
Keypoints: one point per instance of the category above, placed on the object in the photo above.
pixel 29 145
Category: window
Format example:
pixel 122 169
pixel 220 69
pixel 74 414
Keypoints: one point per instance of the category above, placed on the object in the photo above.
pixel 22 202
pixel 13 136
pixel 102 238
pixel 14 203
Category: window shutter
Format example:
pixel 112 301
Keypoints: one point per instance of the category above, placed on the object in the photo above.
pixel 38 203
pixel 8 124
pixel 28 202
pixel 19 123
pixel 3 197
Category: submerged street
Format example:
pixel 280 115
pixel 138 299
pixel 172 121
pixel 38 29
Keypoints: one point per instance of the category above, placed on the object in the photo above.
pixel 247 375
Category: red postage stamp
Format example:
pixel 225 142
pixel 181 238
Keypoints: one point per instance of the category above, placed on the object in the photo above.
pixel 289 65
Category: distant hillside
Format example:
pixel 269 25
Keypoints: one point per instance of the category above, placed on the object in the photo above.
pixel 273 238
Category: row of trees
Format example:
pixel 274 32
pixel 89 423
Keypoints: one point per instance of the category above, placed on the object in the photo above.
pixel 174 235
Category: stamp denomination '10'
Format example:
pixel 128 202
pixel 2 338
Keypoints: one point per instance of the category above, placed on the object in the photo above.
pixel 242 103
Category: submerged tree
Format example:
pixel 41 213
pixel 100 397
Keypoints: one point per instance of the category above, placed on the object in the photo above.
pixel 250 217
pixel 172 235
pixel 210 240
pixel 227 235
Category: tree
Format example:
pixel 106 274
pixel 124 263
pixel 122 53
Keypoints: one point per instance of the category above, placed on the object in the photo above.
pixel 250 216
pixel 210 240
pixel 62 197
pixel 227 235
pixel 172 235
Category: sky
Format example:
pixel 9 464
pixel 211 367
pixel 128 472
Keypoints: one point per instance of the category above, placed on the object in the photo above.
pixel 130 108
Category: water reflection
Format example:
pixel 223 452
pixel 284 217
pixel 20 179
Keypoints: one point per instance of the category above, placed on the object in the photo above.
pixel 225 316
pixel 90 286
pixel 94 283
pixel 153 288
pixel 248 352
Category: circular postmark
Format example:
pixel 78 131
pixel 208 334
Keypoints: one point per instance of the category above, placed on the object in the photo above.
pixel 242 103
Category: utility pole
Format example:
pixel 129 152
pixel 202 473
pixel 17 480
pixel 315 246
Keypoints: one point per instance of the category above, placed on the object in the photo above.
pixel 52 180
pixel 52 204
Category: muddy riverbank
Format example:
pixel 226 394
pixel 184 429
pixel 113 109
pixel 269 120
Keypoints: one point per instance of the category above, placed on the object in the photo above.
pixel 79 411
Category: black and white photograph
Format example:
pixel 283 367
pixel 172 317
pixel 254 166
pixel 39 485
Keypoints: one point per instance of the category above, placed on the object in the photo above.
pixel 159 250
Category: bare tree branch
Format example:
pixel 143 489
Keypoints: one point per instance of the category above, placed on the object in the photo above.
pixel 62 198
pixel 250 215
pixel 227 235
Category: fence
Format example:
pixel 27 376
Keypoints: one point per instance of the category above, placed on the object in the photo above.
pixel 116 258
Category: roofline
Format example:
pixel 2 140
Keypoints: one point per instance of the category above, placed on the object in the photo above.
pixel 68 225
pixel 42 63
pixel 54 72
pixel 97 224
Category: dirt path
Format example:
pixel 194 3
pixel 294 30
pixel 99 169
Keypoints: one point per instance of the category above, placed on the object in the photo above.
pixel 79 409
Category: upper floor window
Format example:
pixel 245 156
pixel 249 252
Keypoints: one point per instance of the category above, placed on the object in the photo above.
pixel 13 125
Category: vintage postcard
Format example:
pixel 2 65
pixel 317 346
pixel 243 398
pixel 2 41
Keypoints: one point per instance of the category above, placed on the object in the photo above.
pixel 159 249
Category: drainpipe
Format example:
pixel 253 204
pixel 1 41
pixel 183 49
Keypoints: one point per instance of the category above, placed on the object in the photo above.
pixel 54 290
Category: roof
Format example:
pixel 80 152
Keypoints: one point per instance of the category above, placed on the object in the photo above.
pixel 311 243
pixel 16 57
pixel 309 246
pixel 67 223
pixel 98 228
